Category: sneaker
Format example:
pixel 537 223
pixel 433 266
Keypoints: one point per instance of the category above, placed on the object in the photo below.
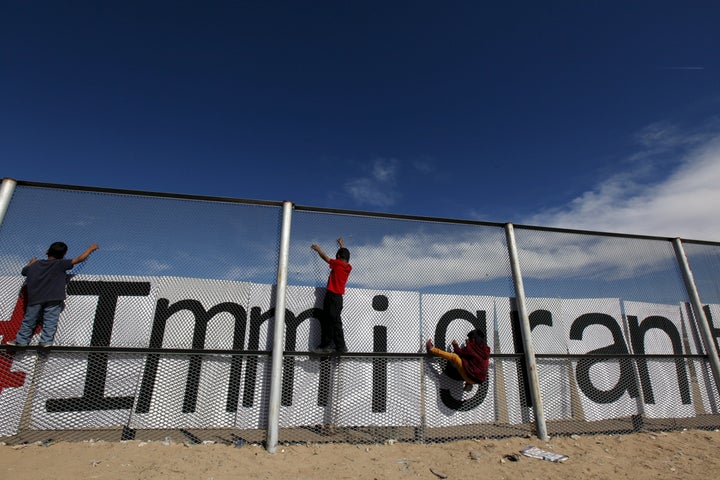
pixel 342 350
pixel 45 344
pixel 13 343
pixel 323 350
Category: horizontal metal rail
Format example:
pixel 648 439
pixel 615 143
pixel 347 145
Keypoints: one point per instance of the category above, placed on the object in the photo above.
pixel 297 353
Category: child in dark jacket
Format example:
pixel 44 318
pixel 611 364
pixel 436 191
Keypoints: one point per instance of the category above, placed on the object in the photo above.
pixel 471 361
pixel 46 280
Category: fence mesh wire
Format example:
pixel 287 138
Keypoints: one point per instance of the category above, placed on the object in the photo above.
pixel 167 330
pixel 616 338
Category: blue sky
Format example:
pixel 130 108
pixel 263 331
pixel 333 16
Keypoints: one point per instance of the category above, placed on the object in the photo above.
pixel 593 115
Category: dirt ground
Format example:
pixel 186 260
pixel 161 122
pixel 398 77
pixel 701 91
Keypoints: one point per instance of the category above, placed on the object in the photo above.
pixel 692 454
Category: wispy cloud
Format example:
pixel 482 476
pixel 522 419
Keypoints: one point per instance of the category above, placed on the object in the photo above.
pixel 156 266
pixel 679 201
pixel 689 67
pixel 423 259
pixel 378 187
pixel 663 136
pixel 682 203
pixel 424 166
pixel 429 259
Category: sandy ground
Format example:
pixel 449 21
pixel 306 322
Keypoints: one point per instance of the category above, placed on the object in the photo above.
pixel 692 454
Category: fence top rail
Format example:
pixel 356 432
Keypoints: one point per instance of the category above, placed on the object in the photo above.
pixel 306 208
pixel 142 193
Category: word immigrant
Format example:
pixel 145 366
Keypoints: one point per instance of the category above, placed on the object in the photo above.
pixel 73 390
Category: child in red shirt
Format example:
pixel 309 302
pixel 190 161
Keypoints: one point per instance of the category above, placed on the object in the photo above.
pixel 471 361
pixel 330 321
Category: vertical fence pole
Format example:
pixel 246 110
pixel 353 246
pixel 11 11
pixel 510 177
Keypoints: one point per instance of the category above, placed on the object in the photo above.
pixel 697 307
pixel 279 333
pixel 530 365
pixel 6 192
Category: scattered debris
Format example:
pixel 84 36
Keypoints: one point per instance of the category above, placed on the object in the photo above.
pixel 475 455
pixel 438 473
pixel 536 452
pixel 512 457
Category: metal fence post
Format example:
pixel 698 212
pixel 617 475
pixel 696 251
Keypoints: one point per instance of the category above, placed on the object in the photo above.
pixel 279 333
pixel 6 192
pixel 531 366
pixel 697 307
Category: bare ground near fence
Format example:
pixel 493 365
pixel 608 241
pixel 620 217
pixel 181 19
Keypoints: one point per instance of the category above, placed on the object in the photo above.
pixel 691 454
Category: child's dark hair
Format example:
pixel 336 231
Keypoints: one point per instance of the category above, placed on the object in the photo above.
pixel 57 250
pixel 477 336
pixel 343 253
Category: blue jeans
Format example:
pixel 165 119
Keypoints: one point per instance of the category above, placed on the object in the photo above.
pixel 50 312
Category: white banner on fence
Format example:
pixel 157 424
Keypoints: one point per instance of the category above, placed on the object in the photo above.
pixel 381 392
pixel 602 383
pixel 100 390
pixel 554 375
pixel 15 368
pixel 96 390
pixel 706 381
pixel 447 318
pixel 664 383
pixel 185 391
pixel 17 380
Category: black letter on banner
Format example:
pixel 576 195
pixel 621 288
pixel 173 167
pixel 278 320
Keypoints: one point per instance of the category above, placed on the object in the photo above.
pixel 380 303
pixel 538 317
pixel 637 336
pixel 233 394
pixel 256 320
pixel 627 380
pixel 292 323
pixel 96 374
pixel 478 322
pixel 163 312
pixel 715 331
pixel 379 375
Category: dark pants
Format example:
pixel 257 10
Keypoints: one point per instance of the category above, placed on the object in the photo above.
pixel 331 323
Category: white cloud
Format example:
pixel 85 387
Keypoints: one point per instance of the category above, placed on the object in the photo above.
pixel 430 259
pixel 378 188
pixel 682 204
pixel 421 259
pixel 679 202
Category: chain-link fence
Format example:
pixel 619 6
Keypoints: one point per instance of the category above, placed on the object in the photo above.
pixel 168 329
